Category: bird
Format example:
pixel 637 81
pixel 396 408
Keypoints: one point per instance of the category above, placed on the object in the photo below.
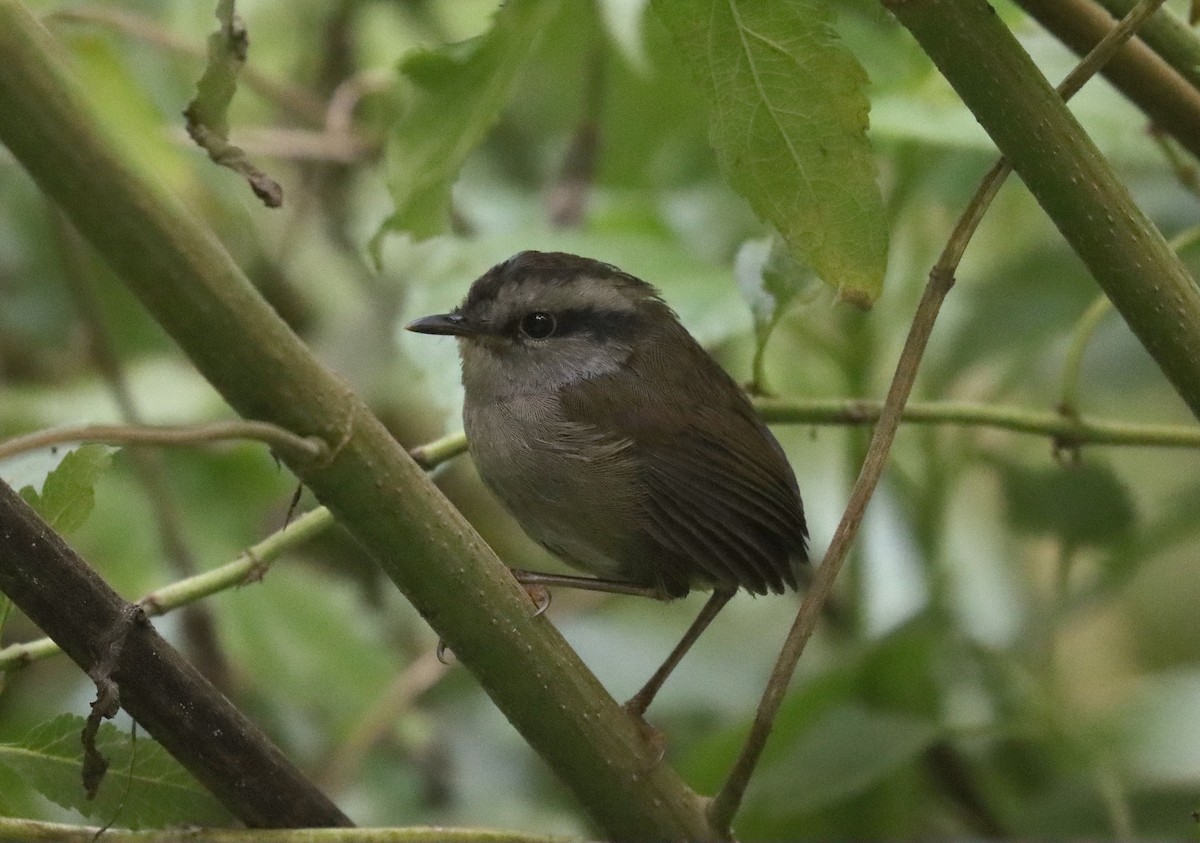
pixel 618 443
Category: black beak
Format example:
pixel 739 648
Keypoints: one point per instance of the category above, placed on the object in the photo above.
pixel 452 324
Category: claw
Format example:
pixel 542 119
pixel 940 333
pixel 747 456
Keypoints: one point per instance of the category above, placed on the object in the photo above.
pixel 441 652
pixel 655 738
pixel 540 595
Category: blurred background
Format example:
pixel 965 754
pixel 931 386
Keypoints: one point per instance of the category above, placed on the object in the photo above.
pixel 1017 651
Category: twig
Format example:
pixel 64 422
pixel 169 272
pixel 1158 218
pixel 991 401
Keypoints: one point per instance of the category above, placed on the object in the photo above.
pixel 289 97
pixel 1145 77
pixel 184 435
pixel 29 831
pixel 199 631
pixel 248 567
pixel 417 677
pixel 1085 327
pixel 941 279
pixel 1073 431
pixel 567 198
pixel 193 721
pixel 1073 364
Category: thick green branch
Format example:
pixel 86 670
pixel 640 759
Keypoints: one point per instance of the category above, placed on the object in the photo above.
pixel 1168 36
pixel 1068 176
pixel 192 287
pixel 1168 98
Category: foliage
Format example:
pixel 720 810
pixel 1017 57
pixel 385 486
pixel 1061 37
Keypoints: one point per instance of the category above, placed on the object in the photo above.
pixel 145 787
pixel 68 494
pixel 1013 651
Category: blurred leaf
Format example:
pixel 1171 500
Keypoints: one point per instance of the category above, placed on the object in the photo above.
pixel 770 279
pixel 1085 504
pixel 788 120
pixel 17 798
pixel 453 95
pixel 160 791
pixel 707 765
pixel 849 750
pixel 68 495
pixel 623 21
pixel 338 661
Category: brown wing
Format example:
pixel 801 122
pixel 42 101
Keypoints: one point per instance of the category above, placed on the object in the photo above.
pixel 719 501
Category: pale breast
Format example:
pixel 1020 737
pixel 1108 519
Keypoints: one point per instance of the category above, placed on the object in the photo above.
pixel 573 490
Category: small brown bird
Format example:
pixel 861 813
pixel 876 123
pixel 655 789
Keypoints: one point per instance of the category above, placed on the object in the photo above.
pixel 617 442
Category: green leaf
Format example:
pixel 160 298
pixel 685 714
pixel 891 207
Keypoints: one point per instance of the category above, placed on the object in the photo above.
pixel 1085 504
pixel 849 750
pixel 160 791
pixel 788 121
pixel 68 495
pixel 452 96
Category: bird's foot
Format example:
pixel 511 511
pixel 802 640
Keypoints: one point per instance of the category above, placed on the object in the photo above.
pixel 654 737
pixel 539 594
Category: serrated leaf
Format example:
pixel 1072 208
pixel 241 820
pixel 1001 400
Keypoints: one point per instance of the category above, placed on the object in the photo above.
pixel 68 495
pixel 160 791
pixel 788 121
pixel 1085 504
pixel 452 96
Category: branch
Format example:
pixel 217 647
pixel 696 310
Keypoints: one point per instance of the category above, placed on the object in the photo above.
pixel 1069 177
pixel 183 435
pixel 1064 430
pixel 941 279
pixel 193 288
pixel 1170 101
pixel 248 567
pixel 292 98
pixel 1168 36
pixel 114 643
pixel 29 831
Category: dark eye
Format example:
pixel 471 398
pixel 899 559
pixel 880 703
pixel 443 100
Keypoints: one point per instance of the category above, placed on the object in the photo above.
pixel 537 325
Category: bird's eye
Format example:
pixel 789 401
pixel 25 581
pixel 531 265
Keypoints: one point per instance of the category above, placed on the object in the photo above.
pixel 537 325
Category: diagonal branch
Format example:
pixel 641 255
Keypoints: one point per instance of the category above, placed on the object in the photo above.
pixel 226 752
pixel 941 279
pixel 191 285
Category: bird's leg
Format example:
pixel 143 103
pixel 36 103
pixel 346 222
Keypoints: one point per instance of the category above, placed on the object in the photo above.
pixel 586 584
pixel 640 701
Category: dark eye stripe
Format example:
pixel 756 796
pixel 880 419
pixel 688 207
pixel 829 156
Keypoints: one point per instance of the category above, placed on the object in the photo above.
pixel 602 325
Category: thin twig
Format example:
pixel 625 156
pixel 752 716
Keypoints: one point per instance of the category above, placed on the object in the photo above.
pixel 1073 431
pixel 292 98
pixel 415 679
pixel 29 831
pixel 941 278
pixel 183 435
pixel 248 567
pixel 199 631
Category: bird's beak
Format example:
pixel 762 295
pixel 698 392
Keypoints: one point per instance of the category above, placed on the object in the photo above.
pixel 452 324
